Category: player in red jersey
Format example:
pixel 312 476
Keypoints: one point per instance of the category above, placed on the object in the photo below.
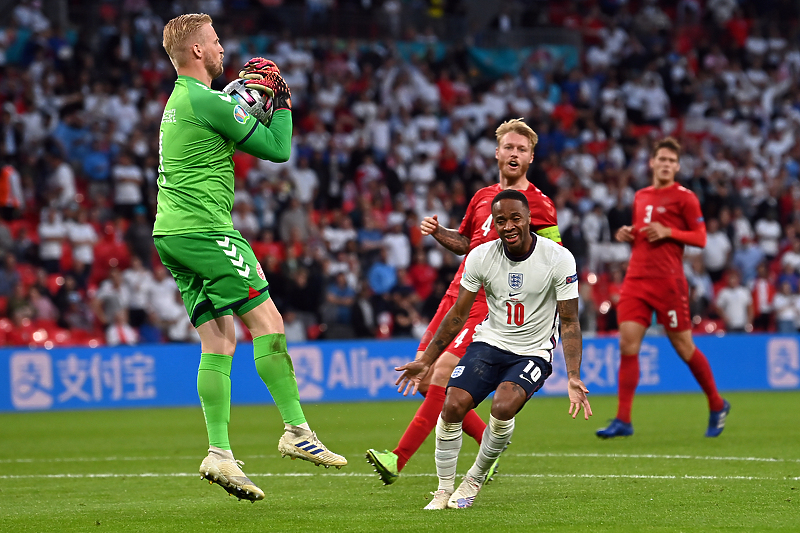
pixel 666 216
pixel 515 143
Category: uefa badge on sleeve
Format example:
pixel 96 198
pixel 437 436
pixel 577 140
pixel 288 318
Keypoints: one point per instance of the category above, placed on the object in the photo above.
pixel 240 114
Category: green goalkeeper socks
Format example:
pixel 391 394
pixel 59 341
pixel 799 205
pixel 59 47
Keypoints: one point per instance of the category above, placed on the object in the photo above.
pixel 274 366
pixel 214 389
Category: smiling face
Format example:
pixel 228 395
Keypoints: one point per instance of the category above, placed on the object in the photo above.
pixel 514 155
pixel 664 166
pixel 512 220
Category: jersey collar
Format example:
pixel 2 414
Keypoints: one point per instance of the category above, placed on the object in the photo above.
pixel 518 258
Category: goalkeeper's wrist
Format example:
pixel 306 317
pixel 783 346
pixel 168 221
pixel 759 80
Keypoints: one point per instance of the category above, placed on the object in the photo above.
pixel 281 102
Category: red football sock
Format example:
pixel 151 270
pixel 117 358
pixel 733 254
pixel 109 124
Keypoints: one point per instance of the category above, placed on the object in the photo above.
pixel 473 425
pixel 421 425
pixel 628 380
pixel 701 371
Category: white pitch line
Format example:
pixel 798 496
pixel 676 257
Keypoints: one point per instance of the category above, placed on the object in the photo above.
pixel 370 475
pixel 654 456
pixel 587 455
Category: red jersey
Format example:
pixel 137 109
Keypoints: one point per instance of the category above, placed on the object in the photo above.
pixel 478 225
pixel 675 207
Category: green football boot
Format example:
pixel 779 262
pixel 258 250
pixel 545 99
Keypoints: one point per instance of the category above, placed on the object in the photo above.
pixel 385 464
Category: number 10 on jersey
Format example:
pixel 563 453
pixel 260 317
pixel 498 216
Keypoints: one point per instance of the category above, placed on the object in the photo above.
pixel 516 313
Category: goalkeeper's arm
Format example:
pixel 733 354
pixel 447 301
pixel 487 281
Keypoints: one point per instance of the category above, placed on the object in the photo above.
pixel 273 143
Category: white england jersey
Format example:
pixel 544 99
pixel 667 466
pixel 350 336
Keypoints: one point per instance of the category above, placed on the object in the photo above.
pixel 522 295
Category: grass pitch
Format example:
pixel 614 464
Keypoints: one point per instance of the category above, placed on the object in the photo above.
pixel 136 470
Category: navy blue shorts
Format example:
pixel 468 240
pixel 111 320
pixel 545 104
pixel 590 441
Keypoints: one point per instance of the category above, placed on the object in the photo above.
pixel 484 367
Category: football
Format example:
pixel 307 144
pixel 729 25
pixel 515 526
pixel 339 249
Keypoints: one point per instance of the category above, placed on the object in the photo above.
pixel 254 102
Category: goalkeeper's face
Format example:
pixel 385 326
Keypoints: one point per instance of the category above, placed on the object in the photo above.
pixel 212 60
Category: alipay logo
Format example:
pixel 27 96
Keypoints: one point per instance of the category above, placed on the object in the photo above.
pixel 783 363
pixel 308 371
pixel 31 380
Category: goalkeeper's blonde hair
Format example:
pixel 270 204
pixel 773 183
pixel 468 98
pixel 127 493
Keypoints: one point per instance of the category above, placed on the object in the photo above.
pixel 517 125
pixel 178 32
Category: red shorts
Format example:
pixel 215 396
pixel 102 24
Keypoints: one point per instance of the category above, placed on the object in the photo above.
pixel 459 345
pixel 668 297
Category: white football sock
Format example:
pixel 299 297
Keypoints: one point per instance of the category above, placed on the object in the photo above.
pixel 448 444
pixel 495 438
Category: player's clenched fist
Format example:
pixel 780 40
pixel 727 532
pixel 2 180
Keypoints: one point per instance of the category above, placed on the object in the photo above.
pixel 429 225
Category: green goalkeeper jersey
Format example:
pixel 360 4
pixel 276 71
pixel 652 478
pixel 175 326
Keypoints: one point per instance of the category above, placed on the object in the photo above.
pixel 200 130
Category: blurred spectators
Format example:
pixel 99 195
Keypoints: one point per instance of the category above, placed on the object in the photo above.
pixel 735 304
pixel 52 233
pixel 120 331
pixel 787 309
pixel 9 276
pixel 388 132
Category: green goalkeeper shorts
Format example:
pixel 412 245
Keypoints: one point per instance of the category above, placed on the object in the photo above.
pixel 217 273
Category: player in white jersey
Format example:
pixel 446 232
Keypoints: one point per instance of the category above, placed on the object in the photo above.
pixel 530 283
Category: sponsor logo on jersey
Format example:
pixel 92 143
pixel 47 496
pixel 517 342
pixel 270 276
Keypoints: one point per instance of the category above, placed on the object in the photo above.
pixel 168 117
pixel 572 279
pixel 661 209
pixel 515 280
pixel 240 114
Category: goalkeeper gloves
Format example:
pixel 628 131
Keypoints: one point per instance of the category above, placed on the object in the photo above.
pixel 259 64
pixel 271 83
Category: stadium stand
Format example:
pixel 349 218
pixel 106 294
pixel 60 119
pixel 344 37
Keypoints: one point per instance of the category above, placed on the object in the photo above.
pixel 390 129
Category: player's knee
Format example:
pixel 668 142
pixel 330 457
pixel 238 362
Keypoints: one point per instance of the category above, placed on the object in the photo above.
pixel 221 346
pixel 504 410
pixel 454 409
pixel 264 319
pixel 629 346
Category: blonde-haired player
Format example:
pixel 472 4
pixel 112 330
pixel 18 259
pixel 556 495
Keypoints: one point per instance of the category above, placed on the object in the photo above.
pixel 213 265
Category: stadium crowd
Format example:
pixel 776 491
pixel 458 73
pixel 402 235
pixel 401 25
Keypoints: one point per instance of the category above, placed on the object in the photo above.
pixel 381 141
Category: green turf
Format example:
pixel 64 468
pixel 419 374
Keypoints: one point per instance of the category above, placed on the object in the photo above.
pixel 135 470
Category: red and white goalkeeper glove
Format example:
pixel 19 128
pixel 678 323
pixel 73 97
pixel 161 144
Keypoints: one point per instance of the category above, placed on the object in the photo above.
pixel 259 64
pixel 271 83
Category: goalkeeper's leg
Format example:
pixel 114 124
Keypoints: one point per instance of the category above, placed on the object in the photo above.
pixel 274 366
pixel 214 389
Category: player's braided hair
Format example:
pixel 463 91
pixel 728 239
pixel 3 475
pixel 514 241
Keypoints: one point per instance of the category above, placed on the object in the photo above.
pixel 177 31
pixel 518 126
pixel 669 143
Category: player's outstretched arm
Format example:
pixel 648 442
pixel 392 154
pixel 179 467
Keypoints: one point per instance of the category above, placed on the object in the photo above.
pixel 572 342
pixel 415 371
pixel 449 238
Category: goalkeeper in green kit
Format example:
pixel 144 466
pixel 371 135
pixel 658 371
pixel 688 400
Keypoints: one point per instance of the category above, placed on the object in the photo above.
pixel 214 267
